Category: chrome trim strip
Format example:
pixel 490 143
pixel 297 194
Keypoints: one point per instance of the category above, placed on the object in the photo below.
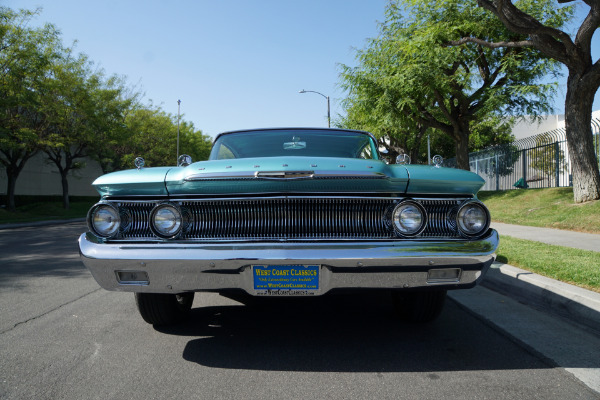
pixel 350 174
pixel 284 175
pixel 220 175
pixel 278 175
pixel 267 195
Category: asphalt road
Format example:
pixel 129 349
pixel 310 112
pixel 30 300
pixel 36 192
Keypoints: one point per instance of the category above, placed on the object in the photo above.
pixel 62 337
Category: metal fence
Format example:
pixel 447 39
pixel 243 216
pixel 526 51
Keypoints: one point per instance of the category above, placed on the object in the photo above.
pixel 540 161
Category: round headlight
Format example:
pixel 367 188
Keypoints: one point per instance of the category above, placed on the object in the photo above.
pixel 473 218
pixel 409 218
pixel 103 220
pixel 166 221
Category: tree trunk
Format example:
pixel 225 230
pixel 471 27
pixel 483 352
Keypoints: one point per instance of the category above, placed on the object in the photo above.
pixel 14 166
pixel 580 140
pixel 461 139
pixel 65 188
pixel 10 189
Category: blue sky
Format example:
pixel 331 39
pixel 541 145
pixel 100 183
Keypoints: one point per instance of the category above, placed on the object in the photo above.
pixel 233 63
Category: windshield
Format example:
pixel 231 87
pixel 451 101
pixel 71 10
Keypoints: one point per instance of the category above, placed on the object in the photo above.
pixel 277 143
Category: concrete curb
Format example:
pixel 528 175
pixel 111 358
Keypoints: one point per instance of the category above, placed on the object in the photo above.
pixel 40 223
pixel 572 302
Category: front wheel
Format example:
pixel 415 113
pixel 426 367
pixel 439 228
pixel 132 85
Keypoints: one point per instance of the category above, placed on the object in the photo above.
pixel 419 307
pixel 164 309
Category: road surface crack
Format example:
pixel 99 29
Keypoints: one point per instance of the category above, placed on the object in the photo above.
pixel 49 311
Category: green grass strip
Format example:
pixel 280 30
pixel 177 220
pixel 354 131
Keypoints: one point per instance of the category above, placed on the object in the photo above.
pixel 45 211
pixel 574 266
pixel 548 208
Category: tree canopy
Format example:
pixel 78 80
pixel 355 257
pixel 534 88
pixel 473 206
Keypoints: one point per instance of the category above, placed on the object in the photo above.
pixel 409 80
pixel 536 26
pixel 57 102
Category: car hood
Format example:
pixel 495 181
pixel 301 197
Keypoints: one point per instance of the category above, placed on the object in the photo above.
pixel 295 175
pixel 445 181
pixel 133 182
pixel 286 175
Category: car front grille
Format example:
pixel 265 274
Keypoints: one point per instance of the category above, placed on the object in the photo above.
pixel 288 218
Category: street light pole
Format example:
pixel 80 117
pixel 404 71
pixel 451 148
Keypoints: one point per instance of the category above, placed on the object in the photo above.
pixel 178 113
pixel 328 107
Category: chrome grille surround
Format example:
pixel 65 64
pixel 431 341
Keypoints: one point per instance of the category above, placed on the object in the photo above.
pixel 290 218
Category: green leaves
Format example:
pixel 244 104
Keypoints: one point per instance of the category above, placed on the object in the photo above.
pixel 410 77
pixel 55 101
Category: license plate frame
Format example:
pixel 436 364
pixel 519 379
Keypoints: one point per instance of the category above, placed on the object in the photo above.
pixel 286 279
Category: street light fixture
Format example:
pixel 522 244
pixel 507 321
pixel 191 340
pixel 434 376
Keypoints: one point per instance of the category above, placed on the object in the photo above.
pixel 327 97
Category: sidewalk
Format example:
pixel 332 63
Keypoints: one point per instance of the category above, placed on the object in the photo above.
pixel 578 240
pixel 559 298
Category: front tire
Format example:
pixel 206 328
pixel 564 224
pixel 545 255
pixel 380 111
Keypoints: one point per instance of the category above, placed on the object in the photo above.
pixel 164 309
pixel 419 307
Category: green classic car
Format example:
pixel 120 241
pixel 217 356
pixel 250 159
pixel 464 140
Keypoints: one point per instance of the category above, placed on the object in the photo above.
pixel 288 212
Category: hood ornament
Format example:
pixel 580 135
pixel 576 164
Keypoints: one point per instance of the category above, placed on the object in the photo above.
pixel 184 160
pixel 403 159
pixel 139 163
pixel 437 161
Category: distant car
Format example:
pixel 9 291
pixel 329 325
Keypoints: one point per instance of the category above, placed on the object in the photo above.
pixel 288 212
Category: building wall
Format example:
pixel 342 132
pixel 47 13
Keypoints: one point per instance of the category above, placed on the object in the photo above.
pixel 526 128
pixel 41 178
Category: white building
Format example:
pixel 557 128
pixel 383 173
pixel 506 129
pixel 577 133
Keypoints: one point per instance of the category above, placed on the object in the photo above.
pixel 526 128
pixel 533 160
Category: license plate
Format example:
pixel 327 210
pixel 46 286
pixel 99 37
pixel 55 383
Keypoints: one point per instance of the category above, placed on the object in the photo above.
pixel 294 280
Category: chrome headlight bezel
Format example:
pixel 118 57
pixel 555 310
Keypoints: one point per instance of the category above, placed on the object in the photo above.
pixel 113 212
pixel 461 214
pixel 396 217
pixel 161 210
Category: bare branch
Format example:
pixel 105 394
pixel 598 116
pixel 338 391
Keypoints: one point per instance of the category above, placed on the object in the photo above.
pixel 552 42
pixel 521 22
pixel 482 63
pixel 491 45
pixel 441 104
pixel 588 27
pixel 424 117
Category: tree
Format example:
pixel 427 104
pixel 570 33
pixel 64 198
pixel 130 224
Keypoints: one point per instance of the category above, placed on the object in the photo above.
pixel 193 142
pixel 536 29
pixel 113 102
pixel 54 101
pixel 394 132
pixel 409 74
pixel 26 56
pixel 153 135
pixel 67 104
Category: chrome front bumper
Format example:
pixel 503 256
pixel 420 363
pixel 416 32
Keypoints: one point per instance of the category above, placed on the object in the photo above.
pixel 181 267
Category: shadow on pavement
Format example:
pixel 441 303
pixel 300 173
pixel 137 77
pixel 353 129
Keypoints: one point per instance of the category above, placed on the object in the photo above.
pixel 345 334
